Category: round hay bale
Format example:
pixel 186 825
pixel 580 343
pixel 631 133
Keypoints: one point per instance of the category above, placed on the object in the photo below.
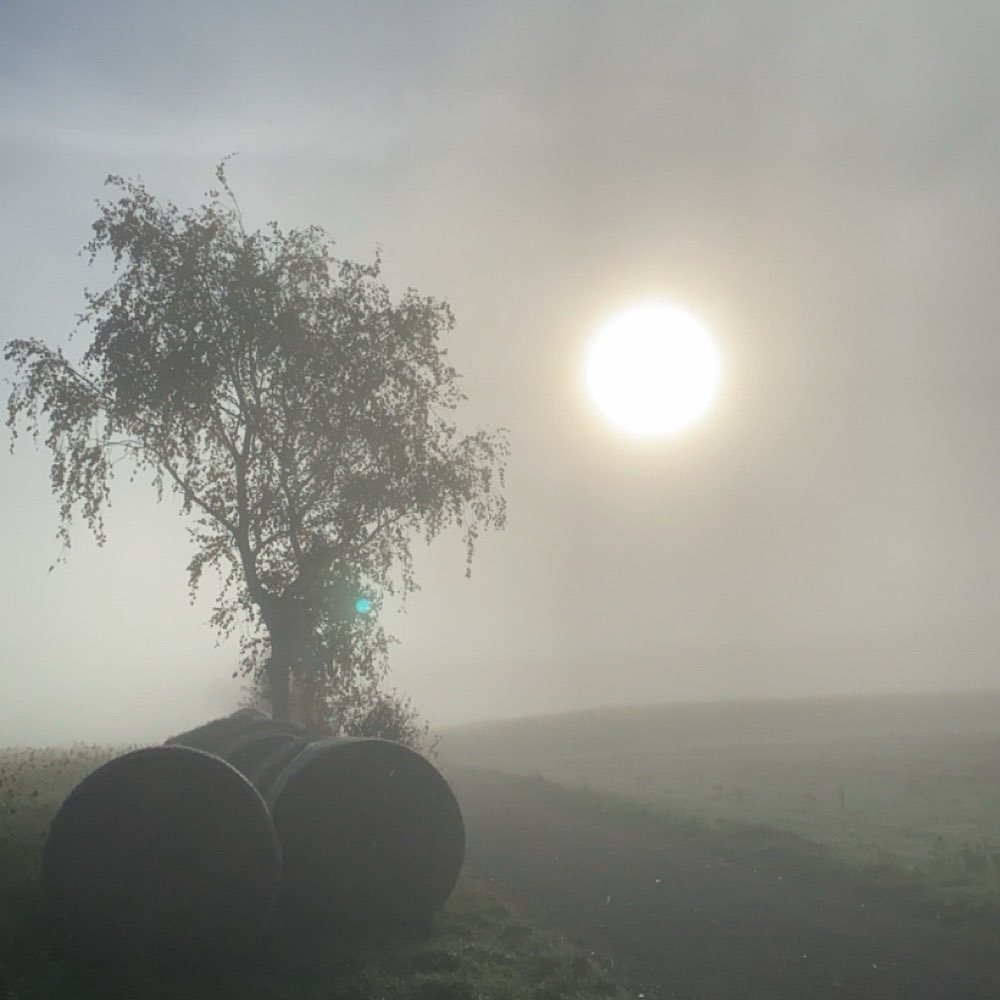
pixel 164 853
pixel 247 752
pixel 270 767
pixel 370 833
pixel 218 734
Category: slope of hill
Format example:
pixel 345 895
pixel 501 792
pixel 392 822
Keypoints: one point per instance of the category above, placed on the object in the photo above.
pixel 911 778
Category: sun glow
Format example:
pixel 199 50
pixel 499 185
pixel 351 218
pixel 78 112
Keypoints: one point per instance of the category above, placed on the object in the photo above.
pixel 653 369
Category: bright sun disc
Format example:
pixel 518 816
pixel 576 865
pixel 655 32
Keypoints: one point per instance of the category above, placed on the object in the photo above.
pixel 654 369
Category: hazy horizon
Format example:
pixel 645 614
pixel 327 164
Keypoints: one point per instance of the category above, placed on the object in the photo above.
pixel 814 184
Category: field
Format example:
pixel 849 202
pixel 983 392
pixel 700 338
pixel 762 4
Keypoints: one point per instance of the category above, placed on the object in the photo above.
pixel 811 849
pixel 908 780
pixel 681 910
pixel 817 849
pixel 479 948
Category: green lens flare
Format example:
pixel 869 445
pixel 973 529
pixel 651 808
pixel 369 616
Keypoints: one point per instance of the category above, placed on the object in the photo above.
pixel 363 605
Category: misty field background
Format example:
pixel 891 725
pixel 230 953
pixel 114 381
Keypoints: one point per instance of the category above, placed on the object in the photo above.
pixel 906 781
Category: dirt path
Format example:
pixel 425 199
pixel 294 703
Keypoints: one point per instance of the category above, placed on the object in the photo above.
pixel 678 920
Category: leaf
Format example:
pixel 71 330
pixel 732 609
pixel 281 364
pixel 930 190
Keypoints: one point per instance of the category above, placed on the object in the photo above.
pixel 301 419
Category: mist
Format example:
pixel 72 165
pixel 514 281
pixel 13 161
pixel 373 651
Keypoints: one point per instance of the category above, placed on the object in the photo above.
pixel 815 184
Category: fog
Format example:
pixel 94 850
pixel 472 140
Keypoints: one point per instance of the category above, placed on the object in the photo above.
pixel 816 182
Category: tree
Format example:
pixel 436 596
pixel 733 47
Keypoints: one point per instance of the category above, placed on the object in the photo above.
pixel 302 417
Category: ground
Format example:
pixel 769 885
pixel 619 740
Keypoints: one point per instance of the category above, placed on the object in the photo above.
pixel 681 912
pixel 477 948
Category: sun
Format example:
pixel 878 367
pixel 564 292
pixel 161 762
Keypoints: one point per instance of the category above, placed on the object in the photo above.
pixel 653 369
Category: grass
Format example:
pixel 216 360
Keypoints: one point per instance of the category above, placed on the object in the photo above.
pixel 960 888
pixel 479 948
pixel 902 791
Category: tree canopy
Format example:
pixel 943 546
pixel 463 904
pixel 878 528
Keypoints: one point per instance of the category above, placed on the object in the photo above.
pixel 304 419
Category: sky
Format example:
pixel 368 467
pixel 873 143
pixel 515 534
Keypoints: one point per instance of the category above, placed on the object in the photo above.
pixel 815 182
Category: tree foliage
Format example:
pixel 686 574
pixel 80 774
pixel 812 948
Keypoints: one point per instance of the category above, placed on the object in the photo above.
pixel 303 418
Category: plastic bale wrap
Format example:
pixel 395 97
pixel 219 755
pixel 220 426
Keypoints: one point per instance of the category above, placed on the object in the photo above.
pixel 165 853
pixel 370 833
pixel 219 735
pixel 249 752
pixel 267 771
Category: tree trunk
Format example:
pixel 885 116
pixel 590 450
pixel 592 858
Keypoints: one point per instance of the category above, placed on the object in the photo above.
pixel 281 631
pixel 278 675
